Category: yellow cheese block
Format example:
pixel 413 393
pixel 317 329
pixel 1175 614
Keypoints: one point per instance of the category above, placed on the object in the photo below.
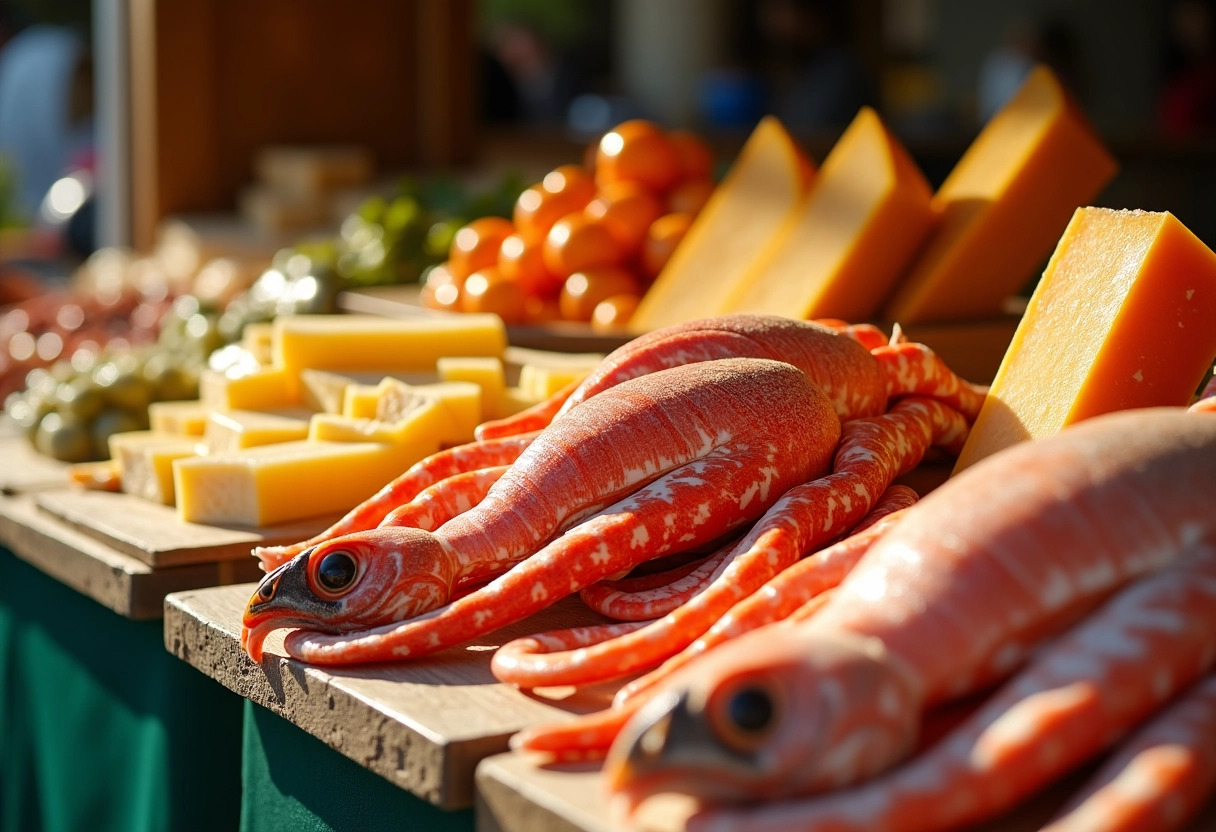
pixel 462 400
pixel 867 213
pixel 269 388
pixel 750 213
pixel 256 340
pixel 359 400
pixel 542 382
pixel 1004 205
pixel 484 371
pixel 145 462
pixel 188 418
pixel 367 342
pixel 285 481
pixel 424 423
pixel 1124 317
pixel 232 430
pixel 516 399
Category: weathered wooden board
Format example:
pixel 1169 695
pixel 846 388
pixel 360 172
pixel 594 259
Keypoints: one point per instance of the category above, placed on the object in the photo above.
pixel 153 533
pixel 22 469
pixel 522 793
pixel 423 725
pixel 114 579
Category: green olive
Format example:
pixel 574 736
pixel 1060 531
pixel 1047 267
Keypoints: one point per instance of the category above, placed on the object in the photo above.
pixel 109 422
pixel 63 439
pixel 172 382
pixel 79 398
pixel 127 389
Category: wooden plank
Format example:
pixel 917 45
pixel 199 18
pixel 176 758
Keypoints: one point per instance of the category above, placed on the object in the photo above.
pixel 153 533
pixel 116 580
pixel 423 725
pixel 24 469
pixel 523 793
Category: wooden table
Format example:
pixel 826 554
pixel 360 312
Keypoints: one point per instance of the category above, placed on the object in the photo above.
pixel 423 725
pixel 522 793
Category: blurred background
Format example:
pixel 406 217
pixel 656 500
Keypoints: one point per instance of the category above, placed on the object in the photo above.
pixel 116 114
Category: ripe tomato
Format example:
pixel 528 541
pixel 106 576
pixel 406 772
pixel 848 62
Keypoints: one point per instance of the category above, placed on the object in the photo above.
pixel 627 209
pixel 577 242
pixel 583 290
pixel 542 310
pixel 661 240
pixel 696 160
pixel 523 261
pixel 536 209
pixel 690 196
pixel 573 182
pixel 637 151
pixel 614 312
pixel 476 245
pixel 441 289
pixel 487 290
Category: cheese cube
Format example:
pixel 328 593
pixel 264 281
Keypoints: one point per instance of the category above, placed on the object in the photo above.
pixel 232 430
pixel 269 388
pixel 187 418
pixel 753 210
pixel 867 213
pixel 255 339
pixel 359 400
pixel 484 371
pixel 462 400
pixel 285 481
pixel 1004 205
pixel 323 391
pixel 425 422
pixel 1124 317
pixel 145 462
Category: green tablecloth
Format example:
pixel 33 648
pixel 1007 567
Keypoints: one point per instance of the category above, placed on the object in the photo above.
pixel 293 782
pixel 100 727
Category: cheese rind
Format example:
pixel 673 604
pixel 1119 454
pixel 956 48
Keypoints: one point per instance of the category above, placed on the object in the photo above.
pixel 751 211
pixel 367 342
pixel 1004 205
pixel 867 213
pixel 1124 317
pixel 286 481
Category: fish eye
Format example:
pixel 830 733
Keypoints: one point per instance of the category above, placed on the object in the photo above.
pixel 337 570
pixel 745 717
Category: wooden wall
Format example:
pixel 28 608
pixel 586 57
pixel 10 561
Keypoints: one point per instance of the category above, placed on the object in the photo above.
pixel 214 80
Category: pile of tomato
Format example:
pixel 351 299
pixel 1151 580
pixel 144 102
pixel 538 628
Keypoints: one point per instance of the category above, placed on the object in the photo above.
pixel 585 242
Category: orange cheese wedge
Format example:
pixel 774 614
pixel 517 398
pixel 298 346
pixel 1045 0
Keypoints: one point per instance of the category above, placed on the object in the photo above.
pixel 867 213
pixel 754 209
pixel 1124 317
pixel 1004 206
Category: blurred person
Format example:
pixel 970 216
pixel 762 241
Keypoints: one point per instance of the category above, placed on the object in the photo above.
pixel 45 107
pixel 543 79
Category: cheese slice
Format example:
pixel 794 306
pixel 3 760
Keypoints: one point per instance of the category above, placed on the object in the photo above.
pixel 1124 317
pixel 867 213
pixel 462 401
pixel 145 462
pixel 323 391
pixel 423 421
pixel 235 429
pixel 368 342
pixel 542 382
pixel 256 340
pixel 749 214
pixel 1004 205
pixel 285 481
pixel 185 418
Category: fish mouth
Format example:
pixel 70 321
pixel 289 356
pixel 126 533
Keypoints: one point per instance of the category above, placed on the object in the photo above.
pixel 284 599
pixel 667 746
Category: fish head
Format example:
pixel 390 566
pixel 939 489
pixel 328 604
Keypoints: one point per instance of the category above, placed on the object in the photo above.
pixel 353 582
pixel 778 712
